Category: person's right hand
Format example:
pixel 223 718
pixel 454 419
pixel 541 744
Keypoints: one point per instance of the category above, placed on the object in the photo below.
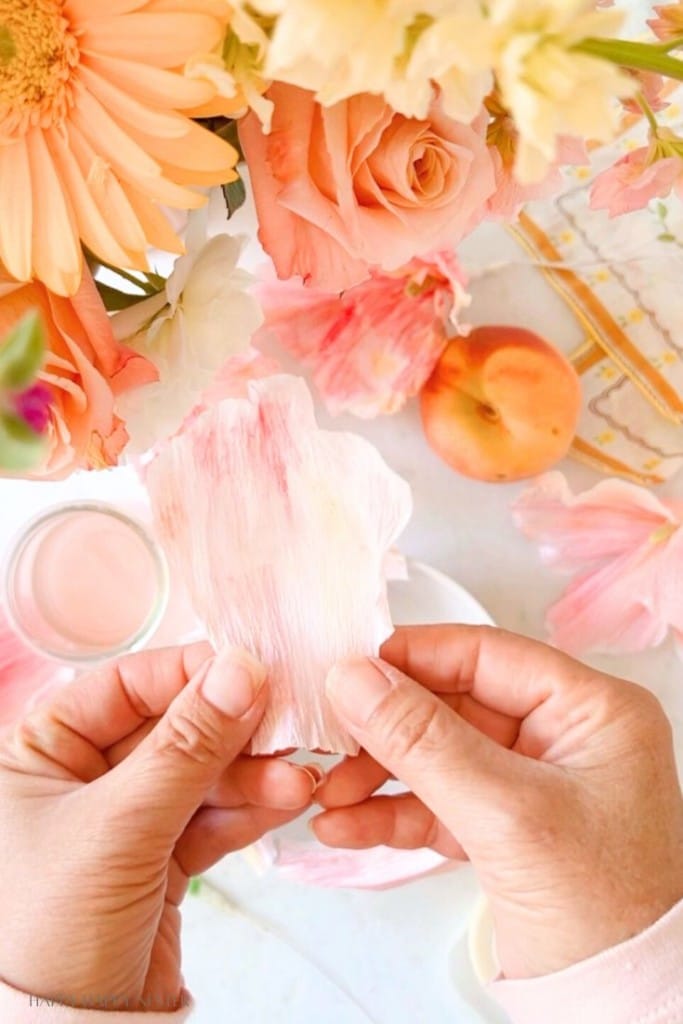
pixel 557 782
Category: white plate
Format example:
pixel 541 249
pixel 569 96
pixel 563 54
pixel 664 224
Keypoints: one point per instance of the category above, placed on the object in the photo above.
pixel 431 596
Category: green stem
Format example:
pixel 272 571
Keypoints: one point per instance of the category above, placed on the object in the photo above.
pixel 671 44
pixel 638 56
pixel 647 110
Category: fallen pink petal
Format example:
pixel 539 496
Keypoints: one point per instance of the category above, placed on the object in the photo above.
pixel 24 675
pixel 281 532
pixel 629 547
pixel 323 867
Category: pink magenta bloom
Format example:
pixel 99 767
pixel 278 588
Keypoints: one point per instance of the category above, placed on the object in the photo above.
pixel 374 346
pixel 344 188
pixel 281 532
pixel 633 181
pixel 33 407
pixel 24 675
pixel 629 547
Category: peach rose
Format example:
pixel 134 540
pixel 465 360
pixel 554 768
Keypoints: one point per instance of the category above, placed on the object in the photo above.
pixel 85 368
pixel 345 188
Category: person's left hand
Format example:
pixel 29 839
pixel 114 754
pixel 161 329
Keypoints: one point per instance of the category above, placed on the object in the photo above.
pixel 112 793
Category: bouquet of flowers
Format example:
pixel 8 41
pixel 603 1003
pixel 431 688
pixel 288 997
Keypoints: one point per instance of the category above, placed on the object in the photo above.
pixel 373 138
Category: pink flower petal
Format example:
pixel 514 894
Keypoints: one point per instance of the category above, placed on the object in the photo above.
pixel 281 531
pixel 378 868
pixel 623 606
pixel 376 345
pixel 24 675
pixel 611 518
pixel 232 380
pixel 633 181
pixel 632 546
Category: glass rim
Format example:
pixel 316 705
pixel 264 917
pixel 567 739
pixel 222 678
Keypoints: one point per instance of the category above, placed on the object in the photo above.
pixel 17 548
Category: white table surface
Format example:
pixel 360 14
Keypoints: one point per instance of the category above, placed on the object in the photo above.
pixel 280 954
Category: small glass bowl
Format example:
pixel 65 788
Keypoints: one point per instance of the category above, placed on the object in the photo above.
pixel 85 583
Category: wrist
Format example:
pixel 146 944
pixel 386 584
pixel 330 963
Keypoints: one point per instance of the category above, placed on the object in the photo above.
pixel 588 927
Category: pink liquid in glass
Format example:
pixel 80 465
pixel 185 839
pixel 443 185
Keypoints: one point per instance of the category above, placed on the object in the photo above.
pixel 85 583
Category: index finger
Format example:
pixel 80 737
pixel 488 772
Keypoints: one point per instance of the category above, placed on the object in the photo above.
pixel 502 671
pixel 106 705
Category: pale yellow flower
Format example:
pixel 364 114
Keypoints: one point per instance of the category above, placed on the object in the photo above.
pixel 338 50
pixel 454 50
pixel 550 88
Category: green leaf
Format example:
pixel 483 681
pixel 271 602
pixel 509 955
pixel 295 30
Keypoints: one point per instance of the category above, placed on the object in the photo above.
pixel 226 129
pixel 114 300
pixel 662 211
pixel 155 283
pixel 666 237
pixel 235 195
pixel 20 447
pixel 21 352
pixel 7 48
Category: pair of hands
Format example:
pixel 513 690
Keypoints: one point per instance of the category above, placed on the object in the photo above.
pixel 557 782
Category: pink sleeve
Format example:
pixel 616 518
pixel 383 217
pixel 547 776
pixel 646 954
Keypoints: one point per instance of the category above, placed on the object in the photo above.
pixel 21 1008
pixel 638 982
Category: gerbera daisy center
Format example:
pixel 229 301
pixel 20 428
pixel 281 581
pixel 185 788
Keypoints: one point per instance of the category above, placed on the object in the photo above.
pixel 37 56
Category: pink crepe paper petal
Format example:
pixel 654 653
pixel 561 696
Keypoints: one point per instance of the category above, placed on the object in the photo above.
pixel 630 545
pixel 576 530
pixel 25 676
pixel 281 530
pixel 378 868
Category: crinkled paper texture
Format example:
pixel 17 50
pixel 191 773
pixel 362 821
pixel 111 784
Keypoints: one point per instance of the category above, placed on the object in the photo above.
pixel 281 531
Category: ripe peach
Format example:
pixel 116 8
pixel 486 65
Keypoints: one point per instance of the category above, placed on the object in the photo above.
pixel 502 404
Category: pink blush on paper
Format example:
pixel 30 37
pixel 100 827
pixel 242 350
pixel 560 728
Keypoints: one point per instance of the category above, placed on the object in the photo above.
pixel 86 583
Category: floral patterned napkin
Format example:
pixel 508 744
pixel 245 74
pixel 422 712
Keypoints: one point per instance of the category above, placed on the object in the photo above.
pixel 622 278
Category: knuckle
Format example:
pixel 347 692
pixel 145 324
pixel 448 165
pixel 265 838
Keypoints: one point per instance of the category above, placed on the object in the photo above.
pixel 194 733
pixel 409 726
pixel 642 706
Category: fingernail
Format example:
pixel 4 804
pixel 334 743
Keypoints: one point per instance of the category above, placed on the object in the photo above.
pixel 356 688
pixel 233 682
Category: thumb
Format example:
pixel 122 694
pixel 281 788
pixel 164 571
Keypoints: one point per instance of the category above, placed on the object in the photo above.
pixel 445 761
pixel 165 780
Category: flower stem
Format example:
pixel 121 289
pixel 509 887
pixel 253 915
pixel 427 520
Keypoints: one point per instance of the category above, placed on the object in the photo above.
pixel 637 56
pixel 647 110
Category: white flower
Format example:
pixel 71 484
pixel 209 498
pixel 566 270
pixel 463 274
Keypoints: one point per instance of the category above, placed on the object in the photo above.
pixel 550 88
pixel 204 316
pixel 235 69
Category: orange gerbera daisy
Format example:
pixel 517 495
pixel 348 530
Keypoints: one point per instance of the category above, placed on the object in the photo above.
pixel 91 138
